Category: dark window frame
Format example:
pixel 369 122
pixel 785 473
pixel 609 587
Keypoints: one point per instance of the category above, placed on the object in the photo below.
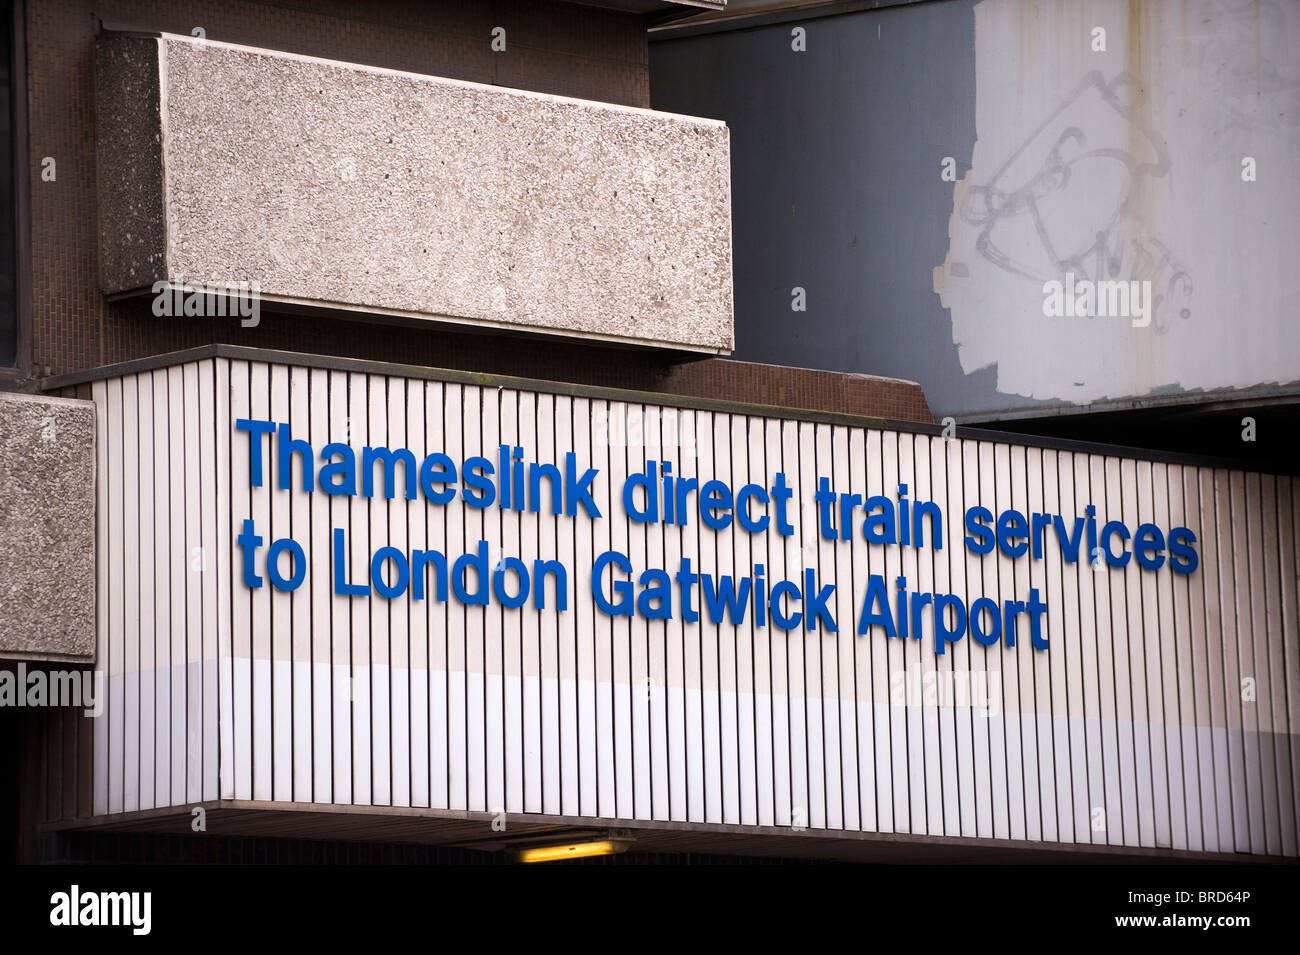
pixel 12 375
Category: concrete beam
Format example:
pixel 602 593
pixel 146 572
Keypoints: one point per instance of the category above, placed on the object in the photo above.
pixel 357 189
pixel 47 528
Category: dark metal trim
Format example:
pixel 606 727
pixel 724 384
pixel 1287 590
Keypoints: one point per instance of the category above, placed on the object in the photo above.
pixel 1220 399
pixel 793 12
pixel 483 379
pixel 778 837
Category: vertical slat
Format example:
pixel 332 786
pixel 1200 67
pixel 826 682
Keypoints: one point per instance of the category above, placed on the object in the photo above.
pixel 359 543
pixel 1018 665
pixel 691 469
pixel 1121 654
pixel 320 609
pixel 990 746
pixel 1036 671
pixel 1101 823
pixel 894 741
pixel 945 481
pixel 708 636
pixel 642 692
pixel 925 554
pixel 1075 744
pixel 100 767
pixel 260 657
pixel 578 543
pixel 397 714
pixel 282 629
pixel 1214 519
pixel 1280 797
pixel 239 668
pixel 131 649
pixel 615 723
pixel 910 646
pixel 814 665
pixel 657 640
pixel 178 561
pixel 1103 597
pixel 1267 838
pixel 518 541
pixel 375 609
pixel 437 614
pixel 116 600
pixel 223 531
pixel 299 665
pixel 195 562
pixel 1195 518
pixel 757 434
pixel 1289 547
pixel 1005 696
pixel 839 647
pixel 677 682
pixel 343 678
pixel 1138 661
pixel 724 634
pixel 1251 838
pixel 162 568
pixel 537 530
pixel 416 612
pixel 148 517
pixel 480 428
pixel 1158 705
pixel 1184 643
pixel 498 423
pixel 1232 583
pixel 859 570
pixel 792 560
pixel 1169 641
pixel 972 735
pixel 741 634
pixel 1057 641
pixel 572 535
pixel 215 559
pixel 538 419
pixel 457 616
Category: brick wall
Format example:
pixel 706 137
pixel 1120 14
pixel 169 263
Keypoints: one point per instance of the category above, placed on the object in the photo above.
pixel 799 388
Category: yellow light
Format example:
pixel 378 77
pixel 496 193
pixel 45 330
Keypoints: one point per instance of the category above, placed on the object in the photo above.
pixel 577 850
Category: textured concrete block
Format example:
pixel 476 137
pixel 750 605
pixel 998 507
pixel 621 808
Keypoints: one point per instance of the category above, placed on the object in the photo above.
pixel 356 188
pixel 47 528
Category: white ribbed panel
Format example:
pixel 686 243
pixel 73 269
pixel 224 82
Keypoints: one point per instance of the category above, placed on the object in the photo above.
pixel 1131 730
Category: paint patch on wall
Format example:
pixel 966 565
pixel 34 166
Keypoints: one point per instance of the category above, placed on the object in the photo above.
pixel 1125 164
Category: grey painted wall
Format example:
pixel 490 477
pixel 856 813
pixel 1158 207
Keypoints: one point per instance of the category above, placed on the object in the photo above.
pixel 818 203
pixel 1122 163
